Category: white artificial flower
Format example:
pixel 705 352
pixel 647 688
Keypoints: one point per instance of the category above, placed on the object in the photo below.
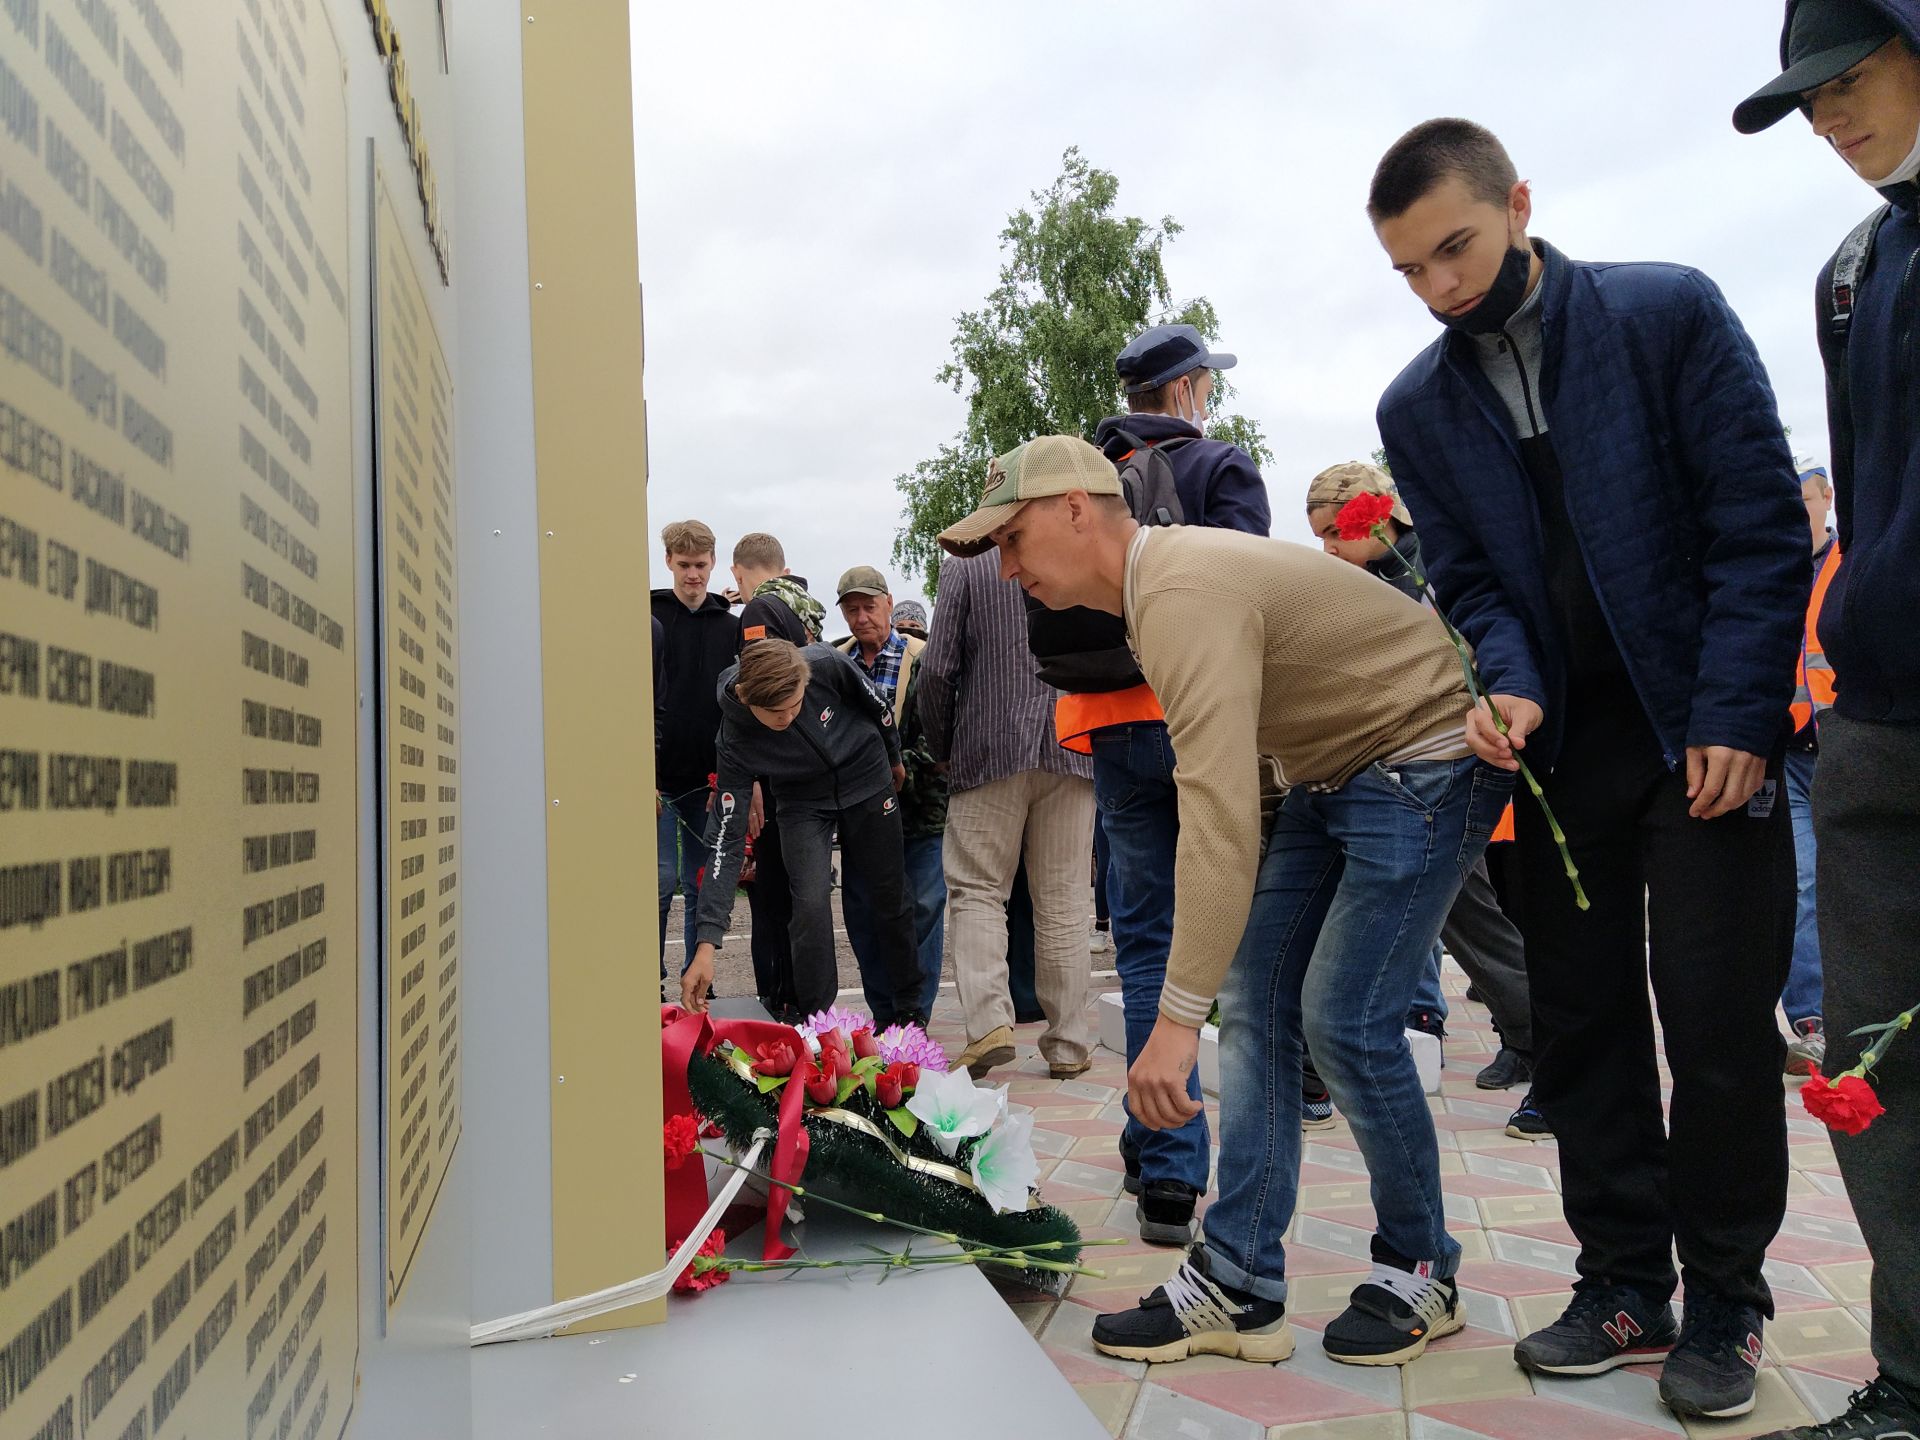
pixel 952 1107
pixel 1004 1165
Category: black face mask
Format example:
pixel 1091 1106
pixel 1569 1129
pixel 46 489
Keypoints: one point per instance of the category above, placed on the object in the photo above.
pixel 1503 297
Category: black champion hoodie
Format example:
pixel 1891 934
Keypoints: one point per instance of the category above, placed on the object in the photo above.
pixel 839 751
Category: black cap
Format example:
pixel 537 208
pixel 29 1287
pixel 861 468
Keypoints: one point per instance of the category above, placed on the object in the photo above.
pixel 1166 352
pixel 1824 40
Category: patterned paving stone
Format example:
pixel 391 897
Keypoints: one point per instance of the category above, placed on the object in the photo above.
pixel 1503 1207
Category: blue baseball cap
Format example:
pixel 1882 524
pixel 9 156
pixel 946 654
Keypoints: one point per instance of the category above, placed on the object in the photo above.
pixel 1166 352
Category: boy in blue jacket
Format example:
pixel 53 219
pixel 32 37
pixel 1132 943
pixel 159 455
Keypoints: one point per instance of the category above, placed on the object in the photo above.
pixel 1853 68
pixel 1605 497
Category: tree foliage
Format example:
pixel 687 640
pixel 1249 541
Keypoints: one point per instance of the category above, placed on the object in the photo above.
pixel 1077 282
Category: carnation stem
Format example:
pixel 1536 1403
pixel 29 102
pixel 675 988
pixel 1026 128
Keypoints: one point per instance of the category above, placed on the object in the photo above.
pixel 1475 689
pixel 1870 1057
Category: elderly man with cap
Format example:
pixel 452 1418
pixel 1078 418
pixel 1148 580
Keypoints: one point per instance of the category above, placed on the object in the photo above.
pixel 1167 374
pixel 890 660
pixel 1852 67
pixel 1271 658
pixel 1477 932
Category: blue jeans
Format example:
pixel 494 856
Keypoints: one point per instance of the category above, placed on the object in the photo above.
pixel 1429 996
pixel 1802 997
pixel 679 832
pixel 927 880
pixel 1133 788
pixel 1350 898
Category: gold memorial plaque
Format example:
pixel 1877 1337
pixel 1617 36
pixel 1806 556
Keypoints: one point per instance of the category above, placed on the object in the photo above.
pixel 413 429
pixel 178 830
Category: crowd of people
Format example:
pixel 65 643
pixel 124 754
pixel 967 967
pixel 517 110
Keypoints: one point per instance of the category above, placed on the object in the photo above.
pixel 1297 802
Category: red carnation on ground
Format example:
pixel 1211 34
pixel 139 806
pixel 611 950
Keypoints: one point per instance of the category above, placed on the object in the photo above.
pixel 1360 514
pixel 1847 1104
pixel 682 1137
pixel 695 1277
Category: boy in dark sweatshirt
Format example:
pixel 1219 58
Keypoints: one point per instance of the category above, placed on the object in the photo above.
pixel 1852 67
pixel 808 721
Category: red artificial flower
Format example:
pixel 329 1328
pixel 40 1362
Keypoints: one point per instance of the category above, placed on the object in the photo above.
pixel 836 1044
pixel 891 1085
pixel 694 1278
pixel 682 1135
pixel 1360 514
pixel 776 1057
pixel 865 1047
pixel 823 1082
pixel 1847 1104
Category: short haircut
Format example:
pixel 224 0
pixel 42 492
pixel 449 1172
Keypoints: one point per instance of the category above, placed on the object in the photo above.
pixel 759 551
pixel 687 537
pixel 1154 401
pixel 770 671
pixel 1431 152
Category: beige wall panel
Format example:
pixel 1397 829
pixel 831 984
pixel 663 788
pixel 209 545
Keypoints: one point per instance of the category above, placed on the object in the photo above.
pixel 178 926
pixel 595 631
pixel 413 426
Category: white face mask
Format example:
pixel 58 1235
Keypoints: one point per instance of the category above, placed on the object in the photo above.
pixel 1906 170
pixel 1197 417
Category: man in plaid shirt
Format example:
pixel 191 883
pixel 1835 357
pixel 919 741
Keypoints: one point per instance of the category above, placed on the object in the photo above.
pixel 887 658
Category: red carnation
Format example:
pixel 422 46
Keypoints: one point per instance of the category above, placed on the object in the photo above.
pixel 775 1057
pixel 697 1276
pixel 1359 515
pixel 1847 1104
pixel 682 1135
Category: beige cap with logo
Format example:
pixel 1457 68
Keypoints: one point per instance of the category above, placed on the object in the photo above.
pixel 1047 465
pixel 1337 484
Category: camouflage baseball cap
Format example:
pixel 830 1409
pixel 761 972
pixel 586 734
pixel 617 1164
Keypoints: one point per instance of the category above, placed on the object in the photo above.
pixel 1337 484
pixel 861 580
pixel 1047 465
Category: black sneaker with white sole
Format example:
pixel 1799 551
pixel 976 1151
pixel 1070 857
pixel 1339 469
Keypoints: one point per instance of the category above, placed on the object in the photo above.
pixel 1527 1123
pixel 1165 1208
pixel 1605 1327
pixel 1194 1314
pixel 1878 1411
pixel 1393 1313
pixel 1711 1373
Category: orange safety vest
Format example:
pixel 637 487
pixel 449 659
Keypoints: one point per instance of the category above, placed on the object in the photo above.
pixel 1077 716
pixel 1813 679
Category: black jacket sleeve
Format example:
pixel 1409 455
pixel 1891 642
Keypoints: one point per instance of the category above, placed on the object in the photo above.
pixel 868 701
pixel 725 845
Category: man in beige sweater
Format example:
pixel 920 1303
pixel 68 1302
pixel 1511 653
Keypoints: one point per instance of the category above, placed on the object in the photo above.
pixel 1271 658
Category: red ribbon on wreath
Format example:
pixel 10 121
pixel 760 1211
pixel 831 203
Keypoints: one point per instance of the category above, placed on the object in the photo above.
pixel 684 1034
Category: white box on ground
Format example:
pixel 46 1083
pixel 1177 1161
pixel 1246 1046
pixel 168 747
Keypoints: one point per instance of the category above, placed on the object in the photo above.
pixel 1113 1035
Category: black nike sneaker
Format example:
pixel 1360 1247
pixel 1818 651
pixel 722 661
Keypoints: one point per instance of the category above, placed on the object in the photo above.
pixel 1393 1313
pixel 1194 1314
pixel 1711 1372
pixel 1880 1411
pixel 1606 1326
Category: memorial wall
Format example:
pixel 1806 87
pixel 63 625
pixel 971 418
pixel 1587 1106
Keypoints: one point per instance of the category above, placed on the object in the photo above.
pixel 179 936
pixel 420 839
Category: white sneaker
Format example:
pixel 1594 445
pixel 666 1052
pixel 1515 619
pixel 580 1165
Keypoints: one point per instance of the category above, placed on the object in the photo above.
pixel 1101 943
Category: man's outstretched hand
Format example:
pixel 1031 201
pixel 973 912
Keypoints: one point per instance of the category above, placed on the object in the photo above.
pixel 696 982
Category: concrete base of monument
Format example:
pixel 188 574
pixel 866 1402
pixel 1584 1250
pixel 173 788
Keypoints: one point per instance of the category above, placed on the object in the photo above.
pixel 799 1354
pixel 1113 1036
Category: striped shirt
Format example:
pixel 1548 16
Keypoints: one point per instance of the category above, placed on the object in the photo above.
pixel 986 713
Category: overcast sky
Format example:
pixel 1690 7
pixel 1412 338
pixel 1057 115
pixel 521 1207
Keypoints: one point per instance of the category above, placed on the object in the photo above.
pixel 821 190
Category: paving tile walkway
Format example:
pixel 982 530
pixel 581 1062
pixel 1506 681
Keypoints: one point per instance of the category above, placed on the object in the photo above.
pixel 1503 1197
